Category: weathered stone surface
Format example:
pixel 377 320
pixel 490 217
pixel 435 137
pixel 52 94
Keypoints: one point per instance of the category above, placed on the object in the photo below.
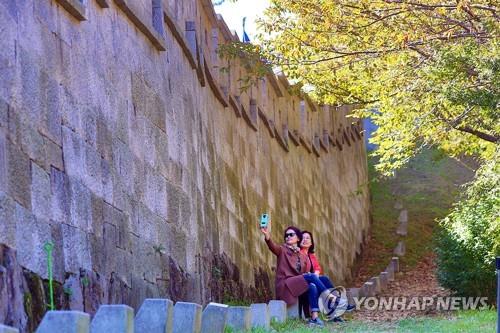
pixel 292 311
pixel 154 316
pixel 11 289
pixel 351 294
pixel 214 318
pixel 187 318
pixel 367 289
pixel 65 322
pixel 395 264
pixel 376 284
pixel 398 205
pixel 239 318
pixel 384 280
pixel 40 192
pixel 403 216
pixel 390 271
pixel 8 329
pixel 113 318
pixel 402 229
pixel 277 310
pixel 400 249
pixel 260 315
pixel 98 112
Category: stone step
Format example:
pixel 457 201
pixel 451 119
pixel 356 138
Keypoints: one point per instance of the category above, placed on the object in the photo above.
pixel 117 318
pixel 214 318
pixel 64 322
pixel 8 329
pixel 154 316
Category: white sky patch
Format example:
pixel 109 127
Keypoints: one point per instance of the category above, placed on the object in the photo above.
pixel 233 14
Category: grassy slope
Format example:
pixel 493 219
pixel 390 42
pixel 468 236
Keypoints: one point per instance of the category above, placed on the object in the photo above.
pixel 427 187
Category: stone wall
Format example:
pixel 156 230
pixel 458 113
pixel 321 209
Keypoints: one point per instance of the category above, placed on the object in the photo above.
pixel 123 143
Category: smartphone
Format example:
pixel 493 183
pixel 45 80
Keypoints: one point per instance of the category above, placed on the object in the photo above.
pixel 264 220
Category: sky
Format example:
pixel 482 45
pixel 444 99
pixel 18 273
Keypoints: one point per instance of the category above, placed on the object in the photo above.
pixel 233 14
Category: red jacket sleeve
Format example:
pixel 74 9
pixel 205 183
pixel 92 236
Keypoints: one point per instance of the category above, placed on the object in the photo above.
pixel 315 263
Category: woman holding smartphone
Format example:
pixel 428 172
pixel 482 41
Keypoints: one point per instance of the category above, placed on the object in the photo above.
pixel 291 269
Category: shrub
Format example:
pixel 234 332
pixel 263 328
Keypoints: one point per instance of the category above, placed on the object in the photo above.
pixel 469 237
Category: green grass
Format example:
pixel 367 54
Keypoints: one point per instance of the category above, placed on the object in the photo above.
pixel 483 321
pixel 427 187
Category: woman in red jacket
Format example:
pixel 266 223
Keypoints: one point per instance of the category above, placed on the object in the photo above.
pixel 292 272
pixel 307 248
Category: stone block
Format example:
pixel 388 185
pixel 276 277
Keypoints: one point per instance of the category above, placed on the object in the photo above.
pixel 54 154
pixel 60 199
pixel 260 315
pixel 76 249
pixel 277 310
pixel 113 319
pixel 7 220
pixel 400 250
pixel 8 329
pixel 239 318
pixel 390 272
pixel 395 264
pixel 398 205
pixel 65 322
pixel 154 316
pixel 376 284
pixel 187 318
pixel 402 229
pixel 40 192
pixel 214 318
pixel 80 205
pixel 19 175
pixel 31 236
pixel 351 294
pixel 403 216
pixel 384 280
pixel 368 289
pixel 292 311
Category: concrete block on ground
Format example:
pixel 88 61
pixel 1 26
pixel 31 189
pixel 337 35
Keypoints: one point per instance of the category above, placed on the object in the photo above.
pixel 214 318
pixel 292 311
pixel 187 318
pixel 260 315
pixel 384 280
pixel 154 316
pixel 64 322
pixel 400 249
pixel 368 289
pixel 398 205
pixel 403 216
pixel 402 229
pixel 390 271
pixel 351 294
pixel 8 329
pixel 239 318
pixel 395 264
pixel 376 284
pixel 277 310
pixel 117 318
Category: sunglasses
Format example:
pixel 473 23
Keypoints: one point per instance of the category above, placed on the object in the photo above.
pixel 290 234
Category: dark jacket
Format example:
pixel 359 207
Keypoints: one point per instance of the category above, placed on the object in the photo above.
pixel 289 283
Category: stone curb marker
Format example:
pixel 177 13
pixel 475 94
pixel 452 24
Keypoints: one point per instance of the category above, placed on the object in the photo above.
pixel 161 315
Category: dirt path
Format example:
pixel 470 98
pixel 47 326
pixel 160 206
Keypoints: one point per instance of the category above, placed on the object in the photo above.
pixel 420 281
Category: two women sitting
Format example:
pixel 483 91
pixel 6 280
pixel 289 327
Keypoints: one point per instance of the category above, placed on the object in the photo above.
pixel 298 271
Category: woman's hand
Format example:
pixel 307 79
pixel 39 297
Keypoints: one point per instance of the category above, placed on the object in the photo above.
pixel 266 231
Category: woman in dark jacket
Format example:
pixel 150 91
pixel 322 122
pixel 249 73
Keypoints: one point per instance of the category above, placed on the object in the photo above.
pixel 292 270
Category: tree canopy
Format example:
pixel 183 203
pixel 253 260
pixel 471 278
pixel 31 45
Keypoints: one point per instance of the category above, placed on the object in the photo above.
pixel 427 72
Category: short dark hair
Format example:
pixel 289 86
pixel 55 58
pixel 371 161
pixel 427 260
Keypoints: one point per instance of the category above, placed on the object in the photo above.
pixel 311 249
pixel 297 232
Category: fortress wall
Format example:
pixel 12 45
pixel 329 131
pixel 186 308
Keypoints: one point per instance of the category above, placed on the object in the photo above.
pixel 123 143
